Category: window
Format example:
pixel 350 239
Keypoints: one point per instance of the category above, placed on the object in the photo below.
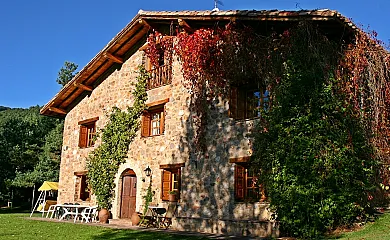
pixel 81 189
pixel 247 101
pixel 170 180
pixel 153 119
pixel 87 133
pixel 246 187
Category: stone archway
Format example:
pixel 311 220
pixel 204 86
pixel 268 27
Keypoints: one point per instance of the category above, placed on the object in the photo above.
pixel 128 193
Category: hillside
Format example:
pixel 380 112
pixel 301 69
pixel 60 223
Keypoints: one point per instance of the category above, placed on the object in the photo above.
pixel 2 108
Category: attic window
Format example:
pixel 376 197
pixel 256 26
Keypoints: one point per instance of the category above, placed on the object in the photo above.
pixel 87 132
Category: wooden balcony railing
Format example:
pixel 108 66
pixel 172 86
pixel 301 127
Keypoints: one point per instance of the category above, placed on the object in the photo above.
pixel 159 77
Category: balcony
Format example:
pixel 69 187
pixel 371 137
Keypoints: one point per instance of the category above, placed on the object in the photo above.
pixel 159 77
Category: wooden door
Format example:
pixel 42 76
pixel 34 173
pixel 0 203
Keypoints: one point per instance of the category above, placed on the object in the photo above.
pixel 129 191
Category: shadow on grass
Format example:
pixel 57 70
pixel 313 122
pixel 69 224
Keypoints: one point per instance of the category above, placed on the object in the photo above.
pixel 142 234
pixel 158 234
pixel 7 210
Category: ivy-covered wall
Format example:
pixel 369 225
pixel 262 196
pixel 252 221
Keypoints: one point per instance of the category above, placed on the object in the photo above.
pixel 207 182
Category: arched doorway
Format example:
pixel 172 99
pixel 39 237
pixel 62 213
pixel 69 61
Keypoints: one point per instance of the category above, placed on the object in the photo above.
pixel 128 193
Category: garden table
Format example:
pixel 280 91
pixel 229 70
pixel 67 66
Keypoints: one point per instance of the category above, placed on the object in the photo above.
pixel 72 210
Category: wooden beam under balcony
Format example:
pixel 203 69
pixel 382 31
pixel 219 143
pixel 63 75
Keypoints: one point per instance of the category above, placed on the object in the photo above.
pixel 113 58
pixel 82 86
pixel 57 110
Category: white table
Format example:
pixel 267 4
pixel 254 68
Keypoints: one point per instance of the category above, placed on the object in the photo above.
pixel 72 210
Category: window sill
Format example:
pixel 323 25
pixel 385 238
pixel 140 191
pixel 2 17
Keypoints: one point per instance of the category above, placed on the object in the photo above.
pixel 86 147
pixel 251 202
pixel 149 89
pixel 167 201
pixel 245 120
pixel 152 136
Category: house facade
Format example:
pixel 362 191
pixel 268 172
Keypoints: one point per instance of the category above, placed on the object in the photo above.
pixel 215 190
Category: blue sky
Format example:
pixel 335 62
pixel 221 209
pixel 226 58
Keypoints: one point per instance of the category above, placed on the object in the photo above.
pixel 38 36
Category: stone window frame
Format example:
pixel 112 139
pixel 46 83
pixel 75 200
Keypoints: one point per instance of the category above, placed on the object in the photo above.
pixel 154 109
pixel 87 132
pixel 242 176
pixel 82 191
pixel 171 174
pixel 246 100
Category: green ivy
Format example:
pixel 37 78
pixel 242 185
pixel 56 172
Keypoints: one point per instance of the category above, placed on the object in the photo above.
pixel 103 163
pixel 148 197
pixel 316 162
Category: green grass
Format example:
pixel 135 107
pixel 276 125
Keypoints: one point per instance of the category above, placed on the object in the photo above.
pixel 378 230
pixel 19 226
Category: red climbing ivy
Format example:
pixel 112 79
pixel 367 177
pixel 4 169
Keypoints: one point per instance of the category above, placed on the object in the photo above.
pixel 341 91
pixel 214 59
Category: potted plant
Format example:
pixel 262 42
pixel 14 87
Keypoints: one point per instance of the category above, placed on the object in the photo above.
pixel 172 197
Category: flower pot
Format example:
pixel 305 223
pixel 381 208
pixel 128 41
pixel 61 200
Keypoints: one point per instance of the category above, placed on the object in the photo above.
pixel 172 198
pixel 103 215
pixel 135 219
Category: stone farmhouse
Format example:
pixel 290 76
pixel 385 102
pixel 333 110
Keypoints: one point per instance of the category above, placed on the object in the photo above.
pixel 215 191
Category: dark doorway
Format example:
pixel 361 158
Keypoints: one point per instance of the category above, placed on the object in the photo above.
pixel 129 192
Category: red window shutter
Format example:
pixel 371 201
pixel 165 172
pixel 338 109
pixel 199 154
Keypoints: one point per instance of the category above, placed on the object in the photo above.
pixel 239 182
pixel 233 102
pixel 145 130
pixel 83 136
pixel 166 184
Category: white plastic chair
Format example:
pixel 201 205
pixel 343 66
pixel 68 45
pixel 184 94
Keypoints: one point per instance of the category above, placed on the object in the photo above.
pixel 89 214
pixel 53 210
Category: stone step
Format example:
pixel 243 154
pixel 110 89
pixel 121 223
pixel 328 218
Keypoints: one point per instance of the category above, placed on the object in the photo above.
pixel 123 221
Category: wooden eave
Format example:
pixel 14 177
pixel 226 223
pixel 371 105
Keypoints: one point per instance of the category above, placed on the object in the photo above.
pixel 114 51
pixel 117 47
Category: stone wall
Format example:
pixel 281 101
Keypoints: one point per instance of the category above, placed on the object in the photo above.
pixel 207 180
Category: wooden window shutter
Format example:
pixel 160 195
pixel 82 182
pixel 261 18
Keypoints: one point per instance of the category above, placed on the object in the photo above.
pixel 83 136
pixel 145 130
pixel 82 187
pixel 162 121
pixel 233 102
pixel 179 182
pixel 239 182
pixel 166 184
pixel 241 104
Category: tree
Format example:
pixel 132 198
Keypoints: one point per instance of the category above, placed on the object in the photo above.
pixel 30 147
pixel 66 73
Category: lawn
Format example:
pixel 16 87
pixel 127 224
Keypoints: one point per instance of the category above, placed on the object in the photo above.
pixel 380 229
pixel 18 226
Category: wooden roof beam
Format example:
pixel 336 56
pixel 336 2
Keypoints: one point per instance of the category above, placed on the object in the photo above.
pixel 82 86
pixel 113 58
pixel 57 110
pixel 185 25
pixel 145 23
